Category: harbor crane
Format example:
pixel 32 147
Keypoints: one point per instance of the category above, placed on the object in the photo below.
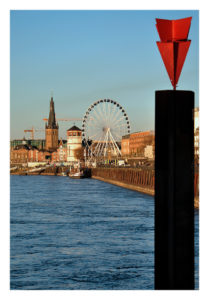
pixel 67 119
pixel 32 131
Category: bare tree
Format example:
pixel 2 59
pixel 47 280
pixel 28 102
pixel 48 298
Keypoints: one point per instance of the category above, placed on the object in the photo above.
pixel 79 153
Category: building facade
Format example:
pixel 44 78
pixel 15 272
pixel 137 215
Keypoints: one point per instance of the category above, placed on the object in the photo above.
pixel 24 153
pixel 135 144
pixel 139 140
pixel 196 135
pixel 125 145
pixel 74 144
pixel 196 145
pixel 62 151
pixel 149 152
pixel 19 154
pixel 51 130
pixel 38 143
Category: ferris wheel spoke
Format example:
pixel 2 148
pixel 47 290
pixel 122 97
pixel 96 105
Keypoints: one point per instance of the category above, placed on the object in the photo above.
pixel 113 112
pixel 121 129
pixel 105 112
pixel 104 124
pixel 120 126
pixel 94 125
pixel 94 119
pixel 118 121
pixel 109 113
pixel 116 116
pixel 97 114
pixel 101 113
pixel 92 130
pixel 121 123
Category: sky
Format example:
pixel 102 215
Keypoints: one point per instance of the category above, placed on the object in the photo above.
pixel 83 56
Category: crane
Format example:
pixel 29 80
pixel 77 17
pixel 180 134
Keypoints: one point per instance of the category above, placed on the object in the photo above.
pixel 63 119
pixel 32 131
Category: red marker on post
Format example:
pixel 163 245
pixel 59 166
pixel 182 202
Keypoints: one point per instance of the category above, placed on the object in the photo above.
pixel 173 45
pixel 174 165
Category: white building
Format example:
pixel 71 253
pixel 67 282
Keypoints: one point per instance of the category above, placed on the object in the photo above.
pixel 196 118
pixel 74 143
pixel 149 151
pixel 196 133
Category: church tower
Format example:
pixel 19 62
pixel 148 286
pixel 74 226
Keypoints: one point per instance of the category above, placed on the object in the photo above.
pixel 51 129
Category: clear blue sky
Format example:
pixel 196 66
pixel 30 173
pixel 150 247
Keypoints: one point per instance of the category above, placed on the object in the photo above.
pixel 83 56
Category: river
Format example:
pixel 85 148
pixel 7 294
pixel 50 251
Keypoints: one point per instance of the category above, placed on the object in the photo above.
pixel 81 234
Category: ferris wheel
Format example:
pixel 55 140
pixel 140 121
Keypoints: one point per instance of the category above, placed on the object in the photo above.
pixel 104 124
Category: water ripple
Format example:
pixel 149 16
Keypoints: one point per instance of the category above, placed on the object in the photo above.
pixel 81 234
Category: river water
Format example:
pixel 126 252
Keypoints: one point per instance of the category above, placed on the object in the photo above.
pixel 81 234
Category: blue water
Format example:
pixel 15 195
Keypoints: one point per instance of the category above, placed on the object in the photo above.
pixel 81 234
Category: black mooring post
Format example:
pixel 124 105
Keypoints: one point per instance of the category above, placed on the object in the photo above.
pixel 174 190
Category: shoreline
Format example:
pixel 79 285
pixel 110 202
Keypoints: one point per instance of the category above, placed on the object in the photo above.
pixel 132 187
pixel 127 186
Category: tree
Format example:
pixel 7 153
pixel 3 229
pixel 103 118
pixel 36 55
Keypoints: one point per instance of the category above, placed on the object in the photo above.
pixel 79 153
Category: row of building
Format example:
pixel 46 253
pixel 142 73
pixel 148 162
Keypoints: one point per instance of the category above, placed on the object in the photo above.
pixel 51 149
pixel 139 144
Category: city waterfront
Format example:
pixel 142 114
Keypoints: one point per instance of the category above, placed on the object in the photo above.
pixel 82 234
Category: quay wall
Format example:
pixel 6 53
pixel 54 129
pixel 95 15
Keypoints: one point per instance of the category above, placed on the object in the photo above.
pixel 141 180
pixel 138 179
pixel 135 179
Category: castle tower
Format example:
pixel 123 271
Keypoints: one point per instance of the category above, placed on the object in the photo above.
pixel 74 144
pixel 51 129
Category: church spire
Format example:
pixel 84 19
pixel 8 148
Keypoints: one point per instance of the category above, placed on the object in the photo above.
pixel 51 129
pixel 52 119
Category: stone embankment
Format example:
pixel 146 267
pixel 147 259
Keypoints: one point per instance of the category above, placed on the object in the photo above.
pixel 138 179
pixel 141 180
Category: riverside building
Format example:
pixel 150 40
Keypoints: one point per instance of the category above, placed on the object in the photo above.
pixel 196 134
pixel 48 150
pixel 139 144
pixel 74 144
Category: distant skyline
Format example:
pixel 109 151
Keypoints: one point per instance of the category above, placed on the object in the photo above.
pixel 84 56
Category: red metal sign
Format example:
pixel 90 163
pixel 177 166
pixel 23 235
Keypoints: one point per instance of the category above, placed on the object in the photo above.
pixel 173 45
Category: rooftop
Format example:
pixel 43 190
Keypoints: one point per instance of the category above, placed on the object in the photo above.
pixel 74 128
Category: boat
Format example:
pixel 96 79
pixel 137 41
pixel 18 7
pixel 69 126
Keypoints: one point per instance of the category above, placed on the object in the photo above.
pixel 77 175
pixel 63 174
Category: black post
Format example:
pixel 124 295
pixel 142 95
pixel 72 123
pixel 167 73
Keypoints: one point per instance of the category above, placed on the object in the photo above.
pixel 174 190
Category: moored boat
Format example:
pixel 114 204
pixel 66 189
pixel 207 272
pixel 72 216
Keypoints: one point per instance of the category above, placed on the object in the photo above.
pixel 63 174
pixel 77 175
